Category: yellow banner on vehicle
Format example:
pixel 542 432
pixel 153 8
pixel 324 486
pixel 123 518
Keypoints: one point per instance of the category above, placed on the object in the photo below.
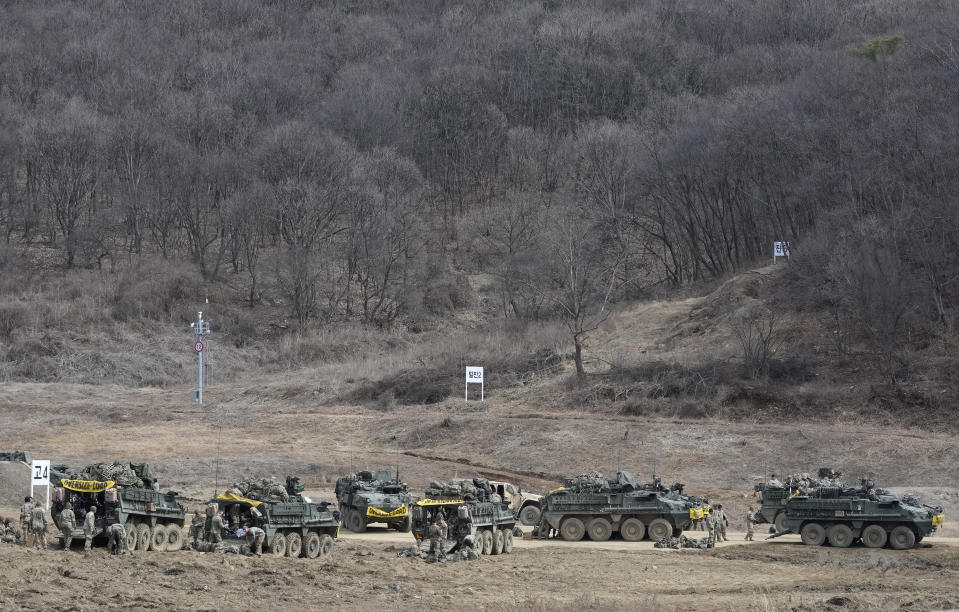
pixel 86 486
pixel 938 520
pixel 237 498
pixel 439 502
pixel 377 513
pixel 696 513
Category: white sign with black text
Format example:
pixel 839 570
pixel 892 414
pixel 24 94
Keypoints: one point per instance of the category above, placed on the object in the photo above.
pixel 40 476
pixel 780 249
pixel 475 375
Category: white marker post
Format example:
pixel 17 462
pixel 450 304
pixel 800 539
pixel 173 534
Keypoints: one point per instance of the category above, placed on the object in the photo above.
pixel 40 476
pixel 475 375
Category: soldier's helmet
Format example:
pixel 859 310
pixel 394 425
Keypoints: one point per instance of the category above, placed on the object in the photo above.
pixel 68 505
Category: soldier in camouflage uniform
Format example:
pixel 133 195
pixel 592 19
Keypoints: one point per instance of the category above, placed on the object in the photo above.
pixel 8 533
pixel 435 533
pixel 255 537
pixel 196 528
pixel 26 510
pixel 117 539
pixel 216 529
pixel 721 523
pixel 89 526
pixel 750 520
pixel 68 522
pixel 38 526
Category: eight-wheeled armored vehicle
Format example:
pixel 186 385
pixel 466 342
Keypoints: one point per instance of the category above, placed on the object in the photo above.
pixel 490 523
pixel 591 504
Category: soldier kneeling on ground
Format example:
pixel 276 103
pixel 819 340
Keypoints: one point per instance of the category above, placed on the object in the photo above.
pixel 117 539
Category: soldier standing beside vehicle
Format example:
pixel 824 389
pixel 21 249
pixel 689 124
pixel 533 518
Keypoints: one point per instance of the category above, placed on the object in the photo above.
pixel 721 523
pixel 117 539
pixel 435 533
pixel 196 528
pixel 750 520
pixel 89 526
pixel 216 529
pixel 38 525
pixel 26 510
pixel 68 522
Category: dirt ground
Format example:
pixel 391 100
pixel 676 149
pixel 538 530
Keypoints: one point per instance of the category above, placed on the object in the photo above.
pixel 364 572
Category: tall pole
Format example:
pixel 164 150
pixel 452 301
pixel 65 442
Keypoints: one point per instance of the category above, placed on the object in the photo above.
pixel 201 329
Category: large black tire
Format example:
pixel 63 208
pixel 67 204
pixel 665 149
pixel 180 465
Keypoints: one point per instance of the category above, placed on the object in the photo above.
pixel 840 536
pixel 529 515
pixel 632 530
pixel 498 541
pixel 507 541
pixel 813 534
pixel 658 529
pixel 174 538
pixel 572 529
pixel 326 545
pixel 159 538
pixel 780 522
pixel 599 529
pixel 294 544
pixel 901 538
pixel 278 545
pixel 874 536
pixel 132 535
pixel 406 525
pixel 311 547
pixel 355 522
pixel 144 537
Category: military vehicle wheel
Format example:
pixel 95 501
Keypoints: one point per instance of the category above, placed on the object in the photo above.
pixel 294 544
pixel 144 537
pixel 507 541
pixel 498 541
pixel 406 525
pixel 174 538
pixel 529 515
pixel 326 545
pixel 659 529
pixel 780 522
pixel 132 535
pixel 572 529
pixel 355 522
pixel 813 534
pixel 487 542
pixel 902 538
pixel 632 530
pixel 599 529
pixel 874 536
pixel 278 545
pixel 158 542
pixel 311 548
pixel 840 536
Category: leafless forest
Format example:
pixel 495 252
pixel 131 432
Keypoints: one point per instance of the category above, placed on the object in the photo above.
pixel 317 163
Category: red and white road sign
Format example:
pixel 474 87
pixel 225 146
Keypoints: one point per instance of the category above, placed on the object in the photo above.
pixel 198 347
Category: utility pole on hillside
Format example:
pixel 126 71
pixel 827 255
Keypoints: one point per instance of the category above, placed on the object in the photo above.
pixel 201 329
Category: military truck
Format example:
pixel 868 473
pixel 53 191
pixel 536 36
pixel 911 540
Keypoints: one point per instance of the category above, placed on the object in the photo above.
pixel 490 523
pixel 153 520
pixel 592 505
pixel 525 505
pixel 367 497
pixel 296 527
pixel 843 515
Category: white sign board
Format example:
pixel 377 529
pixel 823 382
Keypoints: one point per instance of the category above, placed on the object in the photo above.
pixel 780 249
pixel 475 375
pixel 40 476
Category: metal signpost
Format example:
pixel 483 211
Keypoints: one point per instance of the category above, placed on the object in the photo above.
pixel 201 329
pixel 475 375
pixel 40 476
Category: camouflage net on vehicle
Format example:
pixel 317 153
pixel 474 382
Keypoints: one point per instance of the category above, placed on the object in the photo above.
pixel 588 481
pixel 261 489
pixel 684 542
pixel 475 489
pixel 120 473
pixel 804 481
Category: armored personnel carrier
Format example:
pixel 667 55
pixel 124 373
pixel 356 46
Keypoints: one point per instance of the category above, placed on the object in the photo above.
pixel 367 497
pixel 127 493
pixel 842 515
pixel 591 504
pixel 295 526
pixel 480 513
pixel 773 495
